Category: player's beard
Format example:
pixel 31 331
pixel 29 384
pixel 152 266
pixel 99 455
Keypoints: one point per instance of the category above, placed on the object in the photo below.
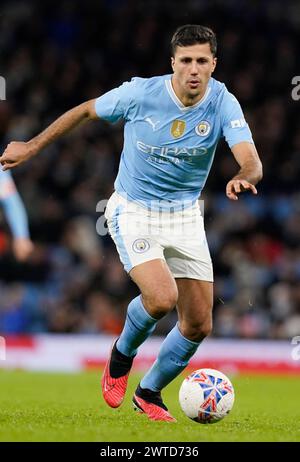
pixel 194 93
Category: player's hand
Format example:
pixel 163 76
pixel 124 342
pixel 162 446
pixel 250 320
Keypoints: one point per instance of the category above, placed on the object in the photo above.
pixel 15 153
pixel 235 187
pixel 22 248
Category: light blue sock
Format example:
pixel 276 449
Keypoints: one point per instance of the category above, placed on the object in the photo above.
pixel 138 326
pixel 173 357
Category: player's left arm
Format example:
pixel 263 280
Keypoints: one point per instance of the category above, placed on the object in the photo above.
pixel 250 173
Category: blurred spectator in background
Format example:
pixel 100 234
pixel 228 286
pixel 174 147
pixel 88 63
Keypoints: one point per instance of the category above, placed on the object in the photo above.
pixel 12 317
pixel 16 217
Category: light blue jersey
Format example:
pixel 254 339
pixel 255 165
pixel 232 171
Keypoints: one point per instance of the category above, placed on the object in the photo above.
pixel 168 147
pixel 13 206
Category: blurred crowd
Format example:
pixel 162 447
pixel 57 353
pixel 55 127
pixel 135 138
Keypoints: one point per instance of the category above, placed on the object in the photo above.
pixel 55 55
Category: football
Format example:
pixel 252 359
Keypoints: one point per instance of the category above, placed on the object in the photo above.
pixel 206 396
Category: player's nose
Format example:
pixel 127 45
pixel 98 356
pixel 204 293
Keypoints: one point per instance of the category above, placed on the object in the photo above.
pixel 194 69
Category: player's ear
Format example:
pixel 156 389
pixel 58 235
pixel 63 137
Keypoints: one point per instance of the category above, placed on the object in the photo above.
pixel 172 62
pixel 214 64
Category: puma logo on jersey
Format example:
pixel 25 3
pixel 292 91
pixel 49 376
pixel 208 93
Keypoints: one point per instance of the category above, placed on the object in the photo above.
pixel 153 124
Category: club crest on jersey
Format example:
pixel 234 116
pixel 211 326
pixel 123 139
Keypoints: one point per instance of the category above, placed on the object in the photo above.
pixel 178 128
pixel 203 128
pixel 140 245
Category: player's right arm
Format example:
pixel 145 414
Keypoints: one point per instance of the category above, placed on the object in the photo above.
pixel 114 105
pixel 17 152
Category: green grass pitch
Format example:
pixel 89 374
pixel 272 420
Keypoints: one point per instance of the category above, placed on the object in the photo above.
pixel 69 407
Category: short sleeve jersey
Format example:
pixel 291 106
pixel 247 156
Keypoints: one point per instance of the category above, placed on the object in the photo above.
pixel 169 148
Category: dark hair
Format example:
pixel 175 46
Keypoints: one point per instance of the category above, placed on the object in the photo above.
pixel 191 34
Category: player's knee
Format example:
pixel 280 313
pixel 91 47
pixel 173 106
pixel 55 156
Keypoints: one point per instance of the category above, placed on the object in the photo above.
pixel 160 303
pixel 197 330
pixel 205 329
